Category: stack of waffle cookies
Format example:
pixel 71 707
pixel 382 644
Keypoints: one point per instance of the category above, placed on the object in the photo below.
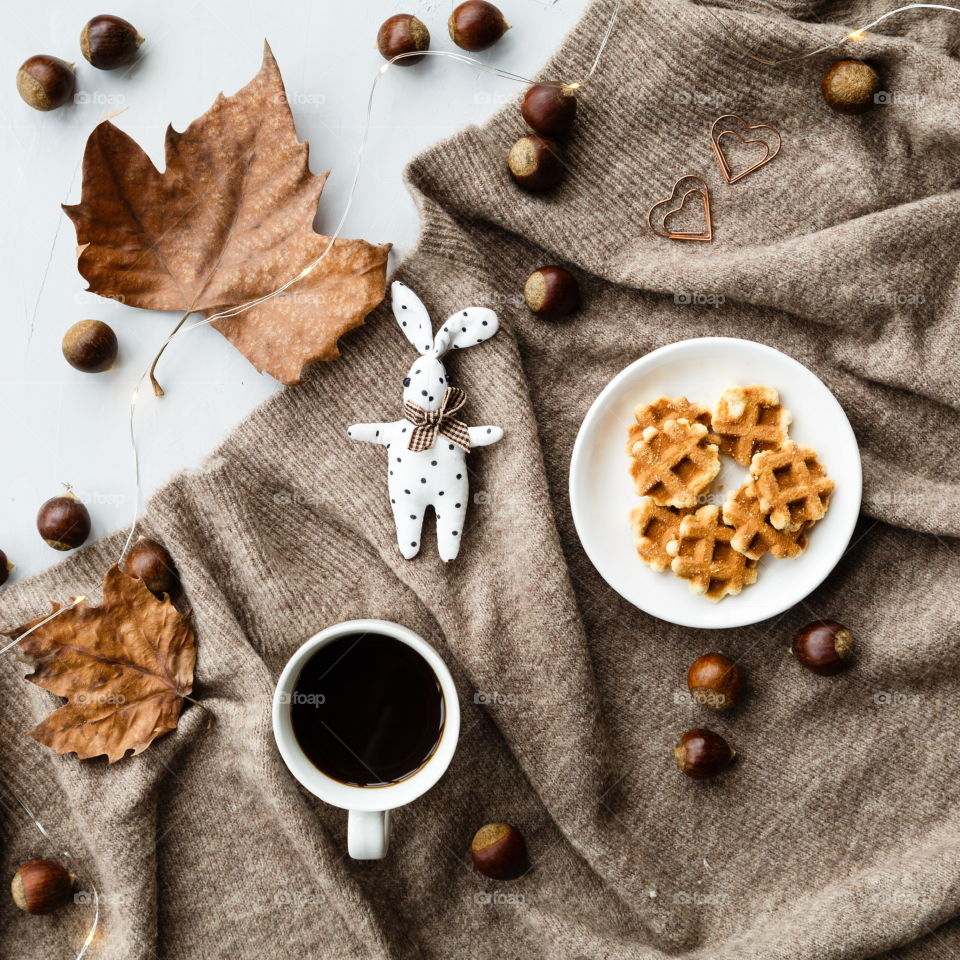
pixel 674 449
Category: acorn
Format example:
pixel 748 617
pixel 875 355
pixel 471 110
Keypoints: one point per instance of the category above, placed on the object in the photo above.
pixel 46 83
pixel 703 753
pixel 535 163
pixel 552 292
pixel 5 567
pixel 499 851
pixel 109 42
pixel 402 33
pixel 64 522
pixel 549 109
pixel 824 646
pixel 849 86
pixel 476 25
pixel 714 681
pixel 90 346
pixel 41 886
pixel 150 562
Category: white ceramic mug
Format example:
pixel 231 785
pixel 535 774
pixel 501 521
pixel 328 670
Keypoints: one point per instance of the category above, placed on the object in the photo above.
pixel 368 824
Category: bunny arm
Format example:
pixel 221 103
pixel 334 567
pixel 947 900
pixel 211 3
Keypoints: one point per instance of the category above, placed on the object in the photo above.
pixel 370 432
pixel 484 436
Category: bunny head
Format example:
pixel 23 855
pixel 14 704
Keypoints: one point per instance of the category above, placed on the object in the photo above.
pixel 425 383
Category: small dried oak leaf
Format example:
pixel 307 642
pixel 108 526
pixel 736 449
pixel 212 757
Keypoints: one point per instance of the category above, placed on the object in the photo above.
pixel 124 668
pixel 229 220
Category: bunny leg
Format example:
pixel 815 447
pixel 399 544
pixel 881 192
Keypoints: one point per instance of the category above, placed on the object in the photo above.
pixel 408 518
pixel 451 511
pixel 484 436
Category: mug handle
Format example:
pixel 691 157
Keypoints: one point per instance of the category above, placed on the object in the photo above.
pixel 368 834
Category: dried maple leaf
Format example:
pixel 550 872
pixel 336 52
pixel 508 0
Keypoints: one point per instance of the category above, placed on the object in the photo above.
pixel 229 220
pixel 124 668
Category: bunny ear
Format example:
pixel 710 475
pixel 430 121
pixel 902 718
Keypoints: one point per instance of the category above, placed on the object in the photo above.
pixel 466 328
pixel 413 318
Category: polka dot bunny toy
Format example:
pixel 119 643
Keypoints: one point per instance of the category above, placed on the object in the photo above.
pixel 427 449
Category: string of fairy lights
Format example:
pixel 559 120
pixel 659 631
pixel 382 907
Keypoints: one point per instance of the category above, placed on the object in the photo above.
pixel 847 34
pixel 338 230
pixel 843 35
pixel 11 801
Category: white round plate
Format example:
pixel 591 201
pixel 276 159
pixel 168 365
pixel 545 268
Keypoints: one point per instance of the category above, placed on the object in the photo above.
pixel 602 493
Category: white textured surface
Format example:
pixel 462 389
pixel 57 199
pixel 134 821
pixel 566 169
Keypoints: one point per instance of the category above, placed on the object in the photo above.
pixel 59 425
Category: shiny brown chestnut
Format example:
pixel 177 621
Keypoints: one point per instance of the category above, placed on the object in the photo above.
pixel 850 86
pixel 535 163
pixel 703 753
pixel 824 646
pixel 714 681
pixel 476 25
pixel 499 851
pixel 90 346
pixel 109 42
pixel 151 562
pixel 552 292
pixel 5 567
pixel 64 522
pixel 402 33
pixel 549 109
pixel 41 886
pixel 45 82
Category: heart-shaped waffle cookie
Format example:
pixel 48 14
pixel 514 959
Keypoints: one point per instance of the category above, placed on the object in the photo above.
pixel 748 420
pixel 664 210
pixel 716 138
pixel 674 464
pixel 703 554
pixel 653 528
pixel 792 486
pixel 662 409
pixel 753 534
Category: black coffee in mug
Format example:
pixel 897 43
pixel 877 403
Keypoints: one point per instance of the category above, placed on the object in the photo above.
pixel 367 710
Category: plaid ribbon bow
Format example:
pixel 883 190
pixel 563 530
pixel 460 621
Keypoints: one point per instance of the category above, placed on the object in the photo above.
pixel 429 423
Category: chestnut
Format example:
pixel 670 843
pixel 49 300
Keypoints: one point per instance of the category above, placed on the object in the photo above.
pixel 824 646
pixel 476 25
pixel 549 109
pixel 703 753
pixel 714 681
pixel 64 522
pixel 150 562
pixel 499 851
pixel 849 86
pixel 552 292
pixel 109 42
pixel 41 886
pixel 46 83
pixel 5 567
pixel 535 163
pixel 90 346
pixel 402 33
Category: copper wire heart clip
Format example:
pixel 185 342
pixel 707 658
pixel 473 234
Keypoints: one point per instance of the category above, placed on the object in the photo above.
pixel 717 138
pixel 697 186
